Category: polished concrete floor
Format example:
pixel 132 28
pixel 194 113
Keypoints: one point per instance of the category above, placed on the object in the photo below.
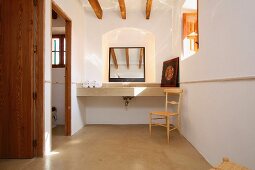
pixel 115 147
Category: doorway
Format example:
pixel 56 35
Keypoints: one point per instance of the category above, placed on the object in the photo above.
pixel 58 75
pixel 61 72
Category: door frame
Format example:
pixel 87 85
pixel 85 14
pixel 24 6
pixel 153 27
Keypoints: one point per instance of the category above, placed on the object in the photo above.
pixel 39 76
pixel 40 81
pixel 68 32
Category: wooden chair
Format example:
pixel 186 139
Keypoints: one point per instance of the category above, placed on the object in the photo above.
pixel 166 115
pixel 228 165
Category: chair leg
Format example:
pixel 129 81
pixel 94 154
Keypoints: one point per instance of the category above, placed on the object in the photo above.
pixel 178 123
pixel 150 123
pixel 167 127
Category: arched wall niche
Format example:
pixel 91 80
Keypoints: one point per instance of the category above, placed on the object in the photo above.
pixel 130 37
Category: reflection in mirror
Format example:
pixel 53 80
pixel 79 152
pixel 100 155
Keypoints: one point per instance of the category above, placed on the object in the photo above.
pixel 126 64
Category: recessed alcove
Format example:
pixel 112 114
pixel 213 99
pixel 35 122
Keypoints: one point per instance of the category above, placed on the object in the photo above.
pixel 130 37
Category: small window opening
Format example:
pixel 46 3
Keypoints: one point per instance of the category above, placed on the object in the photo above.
pixel 58 51
pixel 190 28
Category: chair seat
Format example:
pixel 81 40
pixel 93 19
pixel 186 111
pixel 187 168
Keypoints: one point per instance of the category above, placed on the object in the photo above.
pixel 163 113
pixel 228 165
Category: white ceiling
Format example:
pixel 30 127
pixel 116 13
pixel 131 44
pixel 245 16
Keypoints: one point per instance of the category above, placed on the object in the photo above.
pixel 133 5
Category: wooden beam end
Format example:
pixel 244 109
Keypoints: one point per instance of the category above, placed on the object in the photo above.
pixel 122 9
pixel 148 8
pixel 97 8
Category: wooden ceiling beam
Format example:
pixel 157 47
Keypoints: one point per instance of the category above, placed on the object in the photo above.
pixel 127 57
pixel 148 9
pixel 122 9
pixel 114 58
pixel 97 8
pixel 141 58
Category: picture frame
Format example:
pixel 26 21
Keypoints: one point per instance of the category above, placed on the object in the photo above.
pixel 170 73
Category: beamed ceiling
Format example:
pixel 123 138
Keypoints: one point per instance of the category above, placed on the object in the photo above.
pixel 98 7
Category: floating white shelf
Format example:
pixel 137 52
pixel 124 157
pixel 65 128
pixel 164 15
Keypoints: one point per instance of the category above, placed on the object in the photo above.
pixel 121 89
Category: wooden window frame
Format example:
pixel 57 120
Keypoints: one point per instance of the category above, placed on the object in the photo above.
pixel 61 51
pixel 195 25
pixel 189 27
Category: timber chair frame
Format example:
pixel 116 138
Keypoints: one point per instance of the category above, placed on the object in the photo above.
pixel 166 115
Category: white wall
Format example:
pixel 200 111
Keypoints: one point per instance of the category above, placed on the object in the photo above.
pixel 161 39
pixel 112 110
pixel 160 25
pixel 59 22
pixel 218 117
pixel 47 78
pixel 58 93
pixel 58 25
pixel 74 10
pixel 58 77
pixel 128 37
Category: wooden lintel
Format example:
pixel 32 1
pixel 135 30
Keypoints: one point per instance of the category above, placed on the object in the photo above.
pixel 127 57
pixel 60 12
pixel 97 8
pixel 114 58
pixel 141 58
pixel 148 9
pixel 122 9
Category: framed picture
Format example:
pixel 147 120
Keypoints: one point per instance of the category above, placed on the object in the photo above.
pixel 170 73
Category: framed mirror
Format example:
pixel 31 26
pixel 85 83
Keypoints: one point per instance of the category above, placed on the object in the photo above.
pixel 127 64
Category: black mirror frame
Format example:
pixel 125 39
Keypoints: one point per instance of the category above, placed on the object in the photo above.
pixel 126 79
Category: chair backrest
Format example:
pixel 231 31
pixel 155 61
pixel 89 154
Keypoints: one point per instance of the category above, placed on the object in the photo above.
pixel 175 91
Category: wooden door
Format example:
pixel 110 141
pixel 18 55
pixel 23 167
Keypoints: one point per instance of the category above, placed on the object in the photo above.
pixel 16 78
